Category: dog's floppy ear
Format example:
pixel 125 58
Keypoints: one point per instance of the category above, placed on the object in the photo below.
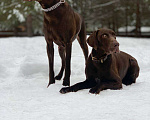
pixel 92 40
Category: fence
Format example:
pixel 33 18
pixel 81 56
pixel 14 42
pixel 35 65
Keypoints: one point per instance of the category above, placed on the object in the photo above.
pixel 23 34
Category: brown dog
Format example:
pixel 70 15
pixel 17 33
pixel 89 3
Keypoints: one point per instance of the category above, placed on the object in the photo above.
pixel 62 26
pixel 107 67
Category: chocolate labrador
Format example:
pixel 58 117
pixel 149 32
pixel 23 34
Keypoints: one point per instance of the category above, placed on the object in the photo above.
pixel 62 26
pixel 107 67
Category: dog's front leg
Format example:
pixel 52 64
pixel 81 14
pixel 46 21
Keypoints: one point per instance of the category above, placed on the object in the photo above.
pixel 113 84
pixel 88 83
pixel 50 53
pixel 97 88
pixel 66 81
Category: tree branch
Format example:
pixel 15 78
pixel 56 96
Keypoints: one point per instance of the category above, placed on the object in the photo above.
pixel 105 4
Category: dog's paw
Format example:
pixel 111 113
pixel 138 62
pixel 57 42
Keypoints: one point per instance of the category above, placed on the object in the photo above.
pixel 58 77
pixel 50 82
pixel 94 91
pixel 65 90
pixel 66 83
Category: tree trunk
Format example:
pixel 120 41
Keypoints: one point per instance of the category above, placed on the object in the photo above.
pixel 113 23
pixel 29 26
pixel 15 31
pixel 126 18
pixel 138 19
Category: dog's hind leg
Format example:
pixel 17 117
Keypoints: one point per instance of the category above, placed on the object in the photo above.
pixel 132 73
pixel 62 55
pixel 82 40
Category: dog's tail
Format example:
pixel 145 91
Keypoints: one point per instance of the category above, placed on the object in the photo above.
pixel 82 39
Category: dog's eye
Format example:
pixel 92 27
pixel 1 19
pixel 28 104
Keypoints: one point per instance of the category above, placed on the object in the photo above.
pixel 113 34
pixel 104 36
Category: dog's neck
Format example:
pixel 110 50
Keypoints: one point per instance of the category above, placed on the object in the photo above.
pixel 53 5
pixel 56 14
pixel 99 56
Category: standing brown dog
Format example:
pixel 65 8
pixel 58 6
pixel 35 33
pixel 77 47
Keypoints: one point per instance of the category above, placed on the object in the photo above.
pixel 62 26
pixel 107 67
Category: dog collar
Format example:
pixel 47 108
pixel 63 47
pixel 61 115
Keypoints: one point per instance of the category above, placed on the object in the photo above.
pixel 102 60
pixel 54 6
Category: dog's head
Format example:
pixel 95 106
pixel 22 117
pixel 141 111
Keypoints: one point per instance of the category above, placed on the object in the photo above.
pixel 105 40
pixel 45 3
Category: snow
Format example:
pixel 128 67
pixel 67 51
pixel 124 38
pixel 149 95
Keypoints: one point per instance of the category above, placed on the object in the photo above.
pixel 18 15
pixel 37 6
pixel 145 29
pixel 9 16
pixel 24 77
pixel 131 28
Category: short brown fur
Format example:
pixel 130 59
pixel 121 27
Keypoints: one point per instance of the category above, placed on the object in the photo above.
pixel 107 67
pixel 62 26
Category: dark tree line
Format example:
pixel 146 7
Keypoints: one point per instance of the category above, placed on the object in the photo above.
pixel 114 13
pixel 96 13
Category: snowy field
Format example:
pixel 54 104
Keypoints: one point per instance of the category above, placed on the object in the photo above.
pixel 24 77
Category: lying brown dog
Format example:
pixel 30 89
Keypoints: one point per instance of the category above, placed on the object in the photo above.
pixel 107 67
pixel 62 26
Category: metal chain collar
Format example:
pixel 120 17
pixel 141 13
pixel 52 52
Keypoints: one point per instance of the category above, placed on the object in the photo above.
pixel 54 6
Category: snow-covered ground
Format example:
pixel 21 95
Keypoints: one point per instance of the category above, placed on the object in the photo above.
pixel 24 77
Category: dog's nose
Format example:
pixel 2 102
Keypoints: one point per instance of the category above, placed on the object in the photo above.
pixel 116 44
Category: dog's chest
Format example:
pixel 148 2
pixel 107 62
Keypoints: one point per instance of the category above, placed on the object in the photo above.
pixel 54 36
pixel 103 70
